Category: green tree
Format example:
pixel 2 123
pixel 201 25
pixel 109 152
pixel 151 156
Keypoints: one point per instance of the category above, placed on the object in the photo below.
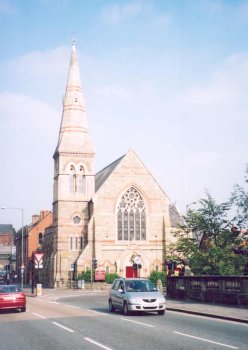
pixel 206 239
pixel 240 199
pixel 157 275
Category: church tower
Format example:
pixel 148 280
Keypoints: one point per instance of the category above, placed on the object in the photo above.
pixel 74 184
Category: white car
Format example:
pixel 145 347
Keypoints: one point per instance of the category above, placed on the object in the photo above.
pixel 136 294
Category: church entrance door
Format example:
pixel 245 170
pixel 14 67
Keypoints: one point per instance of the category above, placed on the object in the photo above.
pixel 131 272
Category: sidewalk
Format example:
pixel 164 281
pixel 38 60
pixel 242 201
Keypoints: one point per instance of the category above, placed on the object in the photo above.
pixel 231 313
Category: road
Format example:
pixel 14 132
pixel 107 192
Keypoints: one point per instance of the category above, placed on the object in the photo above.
pixel 81 321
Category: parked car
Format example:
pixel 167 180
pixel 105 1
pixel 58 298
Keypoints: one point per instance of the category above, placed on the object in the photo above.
pixel 135 294
pixel 2 275
pixel 11 297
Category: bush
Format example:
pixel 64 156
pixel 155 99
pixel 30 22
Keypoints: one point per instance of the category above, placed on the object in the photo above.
pixel 110 277
pixel 85 275
pixel 157 275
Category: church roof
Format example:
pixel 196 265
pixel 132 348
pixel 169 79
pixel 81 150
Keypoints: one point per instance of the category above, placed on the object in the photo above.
pixel 175 217
pixel 103 174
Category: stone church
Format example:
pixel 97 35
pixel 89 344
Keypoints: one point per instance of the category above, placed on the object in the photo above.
pixel 118 217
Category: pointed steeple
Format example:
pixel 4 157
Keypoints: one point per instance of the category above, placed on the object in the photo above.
pixel 74 136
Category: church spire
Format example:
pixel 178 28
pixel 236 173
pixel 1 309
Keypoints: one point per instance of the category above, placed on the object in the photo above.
pixel 73 136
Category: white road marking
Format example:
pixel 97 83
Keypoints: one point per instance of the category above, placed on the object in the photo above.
pixel 142 323
pixel 74 307
pixel 98 344
pixel 207 340
pixel 97 312
pixel 54 302
pixel 61 326
pixel 38 315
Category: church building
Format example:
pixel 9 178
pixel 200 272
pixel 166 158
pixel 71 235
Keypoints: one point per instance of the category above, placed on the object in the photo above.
pixel 116 219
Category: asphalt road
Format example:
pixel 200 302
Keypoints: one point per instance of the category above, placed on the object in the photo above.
pixel 71 321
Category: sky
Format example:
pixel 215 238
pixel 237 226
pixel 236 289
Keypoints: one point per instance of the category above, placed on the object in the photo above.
pixel 167 78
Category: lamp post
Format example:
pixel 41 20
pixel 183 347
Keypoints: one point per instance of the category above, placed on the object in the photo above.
pixel 156 252
pixel 22 239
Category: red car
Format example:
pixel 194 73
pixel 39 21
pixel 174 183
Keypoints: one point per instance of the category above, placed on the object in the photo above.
pixel 11 297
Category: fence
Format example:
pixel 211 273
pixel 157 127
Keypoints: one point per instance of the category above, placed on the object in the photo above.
pixel 232 290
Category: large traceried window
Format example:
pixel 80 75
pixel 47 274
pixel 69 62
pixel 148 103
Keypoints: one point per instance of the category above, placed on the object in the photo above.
pixel 131 216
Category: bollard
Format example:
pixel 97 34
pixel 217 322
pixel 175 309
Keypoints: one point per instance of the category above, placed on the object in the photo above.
pixel 38 289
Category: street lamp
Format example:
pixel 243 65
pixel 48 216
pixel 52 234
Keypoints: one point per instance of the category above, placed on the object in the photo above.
pixel 156 251
pixel 22 247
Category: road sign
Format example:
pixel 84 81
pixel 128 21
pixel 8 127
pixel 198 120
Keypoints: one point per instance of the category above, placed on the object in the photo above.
pixel 137 260
pixel 38 260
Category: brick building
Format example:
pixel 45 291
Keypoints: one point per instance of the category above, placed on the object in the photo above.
pixel 7 251
pixel 33 236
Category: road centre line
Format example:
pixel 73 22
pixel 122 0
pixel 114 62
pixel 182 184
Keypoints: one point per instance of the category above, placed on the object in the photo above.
pixel 61 326
pixel 206 340
pixel 142 323
pixel 98 344
pixel 38 315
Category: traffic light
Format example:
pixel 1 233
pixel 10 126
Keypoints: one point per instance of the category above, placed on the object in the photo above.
pixel 235 231
pixel 94 263
pixel 137 266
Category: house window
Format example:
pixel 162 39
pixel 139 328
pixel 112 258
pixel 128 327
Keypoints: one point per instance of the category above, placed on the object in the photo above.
pixel 40 238
pixel 131 216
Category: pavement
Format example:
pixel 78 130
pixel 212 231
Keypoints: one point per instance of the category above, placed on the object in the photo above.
pixel 226 312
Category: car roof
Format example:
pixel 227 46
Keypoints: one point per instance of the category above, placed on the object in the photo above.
pixel 132 279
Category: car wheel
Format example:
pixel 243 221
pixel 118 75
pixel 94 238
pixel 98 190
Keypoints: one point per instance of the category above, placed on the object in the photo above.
pixel 23 309
pixel 125 309
pixel 111 308
pixel 161 312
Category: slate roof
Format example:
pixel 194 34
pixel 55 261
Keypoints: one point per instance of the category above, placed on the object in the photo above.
pixel 4 228
pixel 103 174
pixel 175 218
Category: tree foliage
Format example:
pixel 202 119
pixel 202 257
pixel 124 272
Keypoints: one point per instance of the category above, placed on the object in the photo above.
pixel 240 199
pixel 207 240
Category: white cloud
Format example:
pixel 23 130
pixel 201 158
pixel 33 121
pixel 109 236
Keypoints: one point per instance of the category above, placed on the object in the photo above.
pixel 29 131
pixel 226 90
pixel 116 14
pixel 37 73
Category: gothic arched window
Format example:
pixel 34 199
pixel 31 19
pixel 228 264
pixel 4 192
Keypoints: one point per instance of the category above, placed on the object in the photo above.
pixel 73 179
pixel 81 180
pixel 131 216
pixel 77 179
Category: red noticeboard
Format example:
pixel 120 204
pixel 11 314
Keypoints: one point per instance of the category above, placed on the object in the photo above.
pixel 100 275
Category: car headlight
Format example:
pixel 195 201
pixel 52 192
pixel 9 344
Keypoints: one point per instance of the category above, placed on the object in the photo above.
pixel 134 301
pixel 161 300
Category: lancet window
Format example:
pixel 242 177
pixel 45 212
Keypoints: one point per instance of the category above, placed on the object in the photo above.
pixel 76 242
pixel 131 216
pixel 77 179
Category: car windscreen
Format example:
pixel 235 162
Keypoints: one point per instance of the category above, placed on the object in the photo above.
pixel 140 286
pixel 9 289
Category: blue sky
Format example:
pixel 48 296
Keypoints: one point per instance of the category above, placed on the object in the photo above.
pixel 167 78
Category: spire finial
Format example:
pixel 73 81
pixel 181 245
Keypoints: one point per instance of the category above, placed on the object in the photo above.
pixel 73 42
